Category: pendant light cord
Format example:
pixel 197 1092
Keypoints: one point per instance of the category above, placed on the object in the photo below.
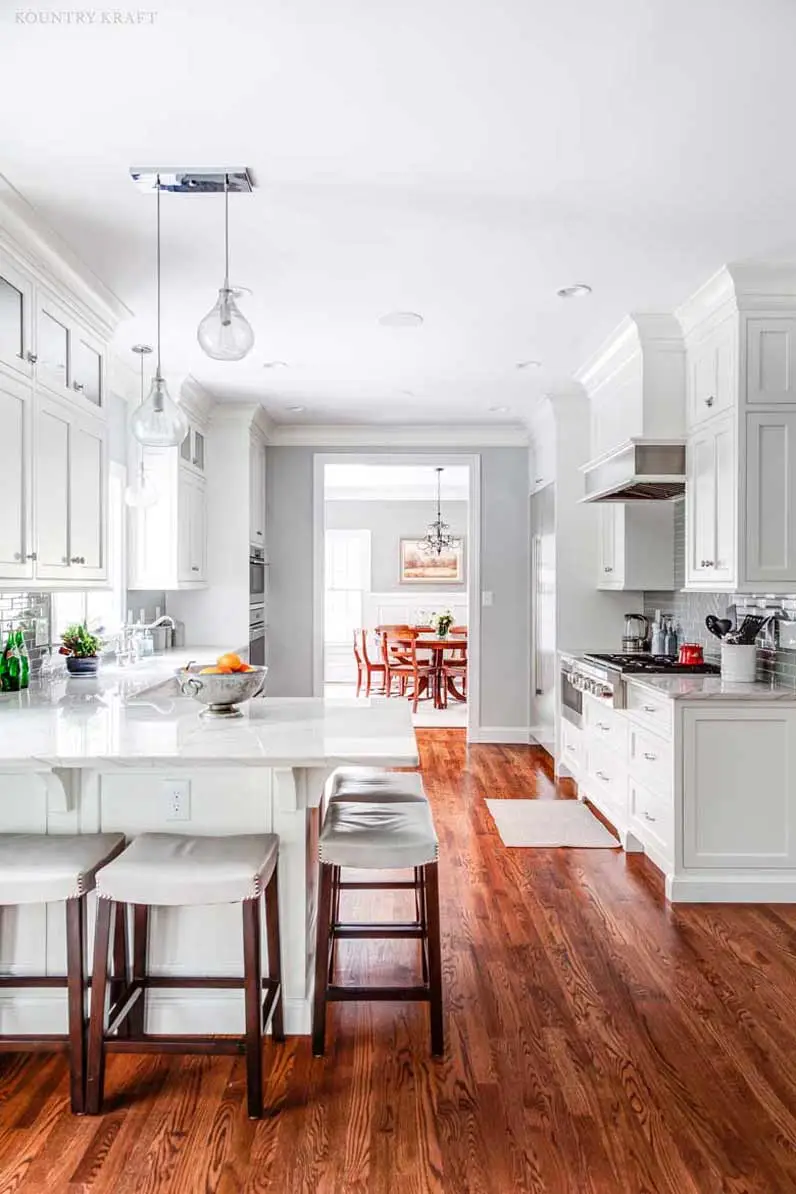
pixel 226 232
pixel 158 288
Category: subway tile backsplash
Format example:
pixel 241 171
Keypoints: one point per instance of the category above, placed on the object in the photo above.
pixel 31 611
pixel 691 609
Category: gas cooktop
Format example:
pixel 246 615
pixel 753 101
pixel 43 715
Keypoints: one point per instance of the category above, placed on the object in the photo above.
pixel 629 664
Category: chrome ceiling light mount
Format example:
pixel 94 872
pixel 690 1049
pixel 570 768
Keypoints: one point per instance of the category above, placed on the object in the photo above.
pixel 225 334
pixel 141 492
pixel 438 538
pixel 159 422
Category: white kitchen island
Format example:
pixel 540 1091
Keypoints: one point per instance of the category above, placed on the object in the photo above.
pixel 85 756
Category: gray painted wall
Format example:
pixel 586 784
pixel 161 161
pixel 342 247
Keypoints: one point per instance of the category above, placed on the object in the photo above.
pixel 388 523
pixel 504 571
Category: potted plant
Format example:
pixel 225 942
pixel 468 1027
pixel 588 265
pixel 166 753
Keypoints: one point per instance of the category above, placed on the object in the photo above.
pixel 81 649
pixel 443 623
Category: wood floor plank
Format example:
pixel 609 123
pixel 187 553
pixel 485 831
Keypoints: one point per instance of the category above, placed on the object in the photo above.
pixel 598 1041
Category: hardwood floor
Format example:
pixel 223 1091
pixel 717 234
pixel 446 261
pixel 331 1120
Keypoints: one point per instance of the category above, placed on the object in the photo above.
pixel 598 1043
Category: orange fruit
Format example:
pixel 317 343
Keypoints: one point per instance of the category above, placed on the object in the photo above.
pixel 225 671
pixel 207 671
pixel 246 667
pixel 230 661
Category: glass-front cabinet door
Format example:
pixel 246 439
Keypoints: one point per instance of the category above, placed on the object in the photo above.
pixel 53 345
pixel 16 293
pixel 87 377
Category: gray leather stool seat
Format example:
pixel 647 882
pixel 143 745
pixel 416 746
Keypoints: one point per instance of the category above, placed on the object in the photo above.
pixel 41 868
pixel 376 836
pixel 182 870
pixel 382 835
pixel 168 868
pixel 374 784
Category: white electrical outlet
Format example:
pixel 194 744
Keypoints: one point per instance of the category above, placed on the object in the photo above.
pixel 177 794
pixel 486 597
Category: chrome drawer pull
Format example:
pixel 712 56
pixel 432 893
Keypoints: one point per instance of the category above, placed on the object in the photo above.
pixel 650 708
pixel 602 726
pixel 605 778
pixel 648 817
pixel 651 758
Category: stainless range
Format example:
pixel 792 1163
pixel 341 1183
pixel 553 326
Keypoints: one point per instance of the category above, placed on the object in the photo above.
pixel 602 676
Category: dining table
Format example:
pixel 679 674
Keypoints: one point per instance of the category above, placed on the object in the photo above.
pixel 438 646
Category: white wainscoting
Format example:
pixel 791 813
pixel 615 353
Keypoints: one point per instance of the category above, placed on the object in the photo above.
pixel 412 608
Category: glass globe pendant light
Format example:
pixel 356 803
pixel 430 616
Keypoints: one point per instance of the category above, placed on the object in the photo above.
pixel 159 422
pixel 224 334
pixel 141 492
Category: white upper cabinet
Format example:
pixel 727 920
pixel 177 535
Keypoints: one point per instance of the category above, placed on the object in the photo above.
pixel 771 497
pixel 192 449
pixel 16 306
pixel 256 492
pixel 69 359
pixel 191 529
pixel 52 490
pixel 168 540
pixel 713 373
pixel 711 487
pixel 771 360
pixel 636 546
pixel 16 548
pixel 88 486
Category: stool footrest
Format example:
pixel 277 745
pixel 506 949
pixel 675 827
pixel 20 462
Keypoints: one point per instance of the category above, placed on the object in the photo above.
pixel 388 994
pixel 30 980
pixel 398 885
pixel 364 931
pixel 177 1044
pixel 54 1043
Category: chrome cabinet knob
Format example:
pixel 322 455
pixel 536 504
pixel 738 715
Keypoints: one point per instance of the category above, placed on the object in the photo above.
pixel 32 555
pixel 31 357
pixel 709 401
pixel 79 386
pixel 78 560
pixel 607 569
pixel 194 568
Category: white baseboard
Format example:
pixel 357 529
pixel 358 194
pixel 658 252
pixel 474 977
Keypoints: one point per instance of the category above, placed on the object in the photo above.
pixel 217 1012
pixel 506 734
pixel 704 888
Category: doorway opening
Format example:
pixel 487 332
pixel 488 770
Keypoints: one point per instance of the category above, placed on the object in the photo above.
pixel 375 574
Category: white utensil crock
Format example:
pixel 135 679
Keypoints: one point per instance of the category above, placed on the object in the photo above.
pixel 738 662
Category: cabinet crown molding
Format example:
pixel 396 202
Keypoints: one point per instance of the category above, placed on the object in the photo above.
pixel 738 287
pixel 337 435
pixel 637 332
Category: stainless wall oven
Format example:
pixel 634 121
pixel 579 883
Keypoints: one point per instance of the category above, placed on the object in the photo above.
pixel 257 629
pixel 257 574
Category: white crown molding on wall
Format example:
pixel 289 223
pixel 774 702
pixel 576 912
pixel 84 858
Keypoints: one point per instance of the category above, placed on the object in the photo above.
pixel 367 435
pixel 636 333
pixel 53 262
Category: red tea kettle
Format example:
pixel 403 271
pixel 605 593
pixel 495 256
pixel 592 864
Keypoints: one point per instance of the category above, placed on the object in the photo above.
pixel 691 654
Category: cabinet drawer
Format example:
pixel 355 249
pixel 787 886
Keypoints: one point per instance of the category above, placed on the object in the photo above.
pixel 652 710
pixel 606 777
pixel 605 726
pixel 651 818
pixel 571 747
pixel 650 760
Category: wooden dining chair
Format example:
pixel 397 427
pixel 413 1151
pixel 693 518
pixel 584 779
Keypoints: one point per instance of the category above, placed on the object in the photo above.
pixel 359 660
pixel 399 652
pixel 454 666
pixel 372 667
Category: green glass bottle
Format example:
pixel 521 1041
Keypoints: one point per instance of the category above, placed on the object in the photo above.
pixel 12 664
pixel 3 670
pixel 24 659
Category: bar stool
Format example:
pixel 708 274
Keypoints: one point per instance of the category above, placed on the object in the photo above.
pixel 176 870
pixel 39 868
pixel 378 836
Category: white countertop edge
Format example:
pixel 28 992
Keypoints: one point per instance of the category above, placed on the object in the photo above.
pixel 713 688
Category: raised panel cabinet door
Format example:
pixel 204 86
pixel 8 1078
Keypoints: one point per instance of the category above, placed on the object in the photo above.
pixel 609 570
pixel 257 493
pixel 53 347
pixel 702 381
pixel 16 295
pixel 770 497
pixel 185 489
pixel 87 363
pixel 739 787
pixel 198 530
pixel 701 508
pixel 52 491
pixel 88 504
pixel 725 558
pixel 771 360
pixel 16 549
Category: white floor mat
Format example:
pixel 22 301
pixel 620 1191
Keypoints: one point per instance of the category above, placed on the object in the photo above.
pixel 549 823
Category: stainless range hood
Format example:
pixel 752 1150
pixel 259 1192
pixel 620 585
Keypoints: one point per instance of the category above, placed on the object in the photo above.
pixel 639 470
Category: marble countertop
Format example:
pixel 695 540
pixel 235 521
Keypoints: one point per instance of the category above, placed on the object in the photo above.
pixel 712 688
pixel 122 720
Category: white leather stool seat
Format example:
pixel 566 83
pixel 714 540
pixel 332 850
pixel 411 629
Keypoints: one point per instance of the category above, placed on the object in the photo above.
pixel 378 836
pixel 373 784
pixel 43 868
pixel 170 868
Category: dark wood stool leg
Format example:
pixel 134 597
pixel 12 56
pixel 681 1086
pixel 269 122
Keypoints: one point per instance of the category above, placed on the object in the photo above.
pixel 422 920
pixel 95 1076
pixel 434 958
pixel 322 958
pixel 118 983
pixel 76 999
pixel 274 954
pixel 253 987
pixel 337 878
pixel 136 1019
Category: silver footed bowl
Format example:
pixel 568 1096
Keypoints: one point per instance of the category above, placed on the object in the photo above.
pixel 221 693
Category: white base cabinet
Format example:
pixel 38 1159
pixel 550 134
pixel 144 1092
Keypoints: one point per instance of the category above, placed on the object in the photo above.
pixel 706 788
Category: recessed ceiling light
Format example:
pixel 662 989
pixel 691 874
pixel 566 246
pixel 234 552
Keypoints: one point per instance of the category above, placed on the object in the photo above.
pixel 401 319
pixel 296 409
pixel 500 410
pixel 578 290
pixel 274 364
pixel 528 365
pixel 407 393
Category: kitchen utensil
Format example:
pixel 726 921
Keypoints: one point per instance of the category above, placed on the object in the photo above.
pixel 636 634
pixel 747 632
pixel 691 654
pixel 718 626
pixel 221 693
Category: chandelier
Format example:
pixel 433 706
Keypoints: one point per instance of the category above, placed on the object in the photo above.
pixel 438 538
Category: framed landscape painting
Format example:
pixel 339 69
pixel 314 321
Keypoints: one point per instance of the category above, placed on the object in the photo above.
pixel 419 567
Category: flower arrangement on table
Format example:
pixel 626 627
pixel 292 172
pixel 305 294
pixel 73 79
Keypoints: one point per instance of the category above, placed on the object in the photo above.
pixel 443 622
pixel 82 649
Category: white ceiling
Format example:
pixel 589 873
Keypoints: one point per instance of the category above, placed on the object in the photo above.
pixel 455 158
pixel 394 482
